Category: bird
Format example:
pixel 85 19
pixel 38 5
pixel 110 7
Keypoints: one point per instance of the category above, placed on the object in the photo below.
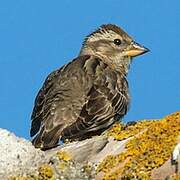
pixel 89 94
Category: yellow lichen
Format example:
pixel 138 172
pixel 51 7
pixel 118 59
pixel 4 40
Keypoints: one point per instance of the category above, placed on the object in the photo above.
pixel 63 155
pixel 45 172
pixel 119 132
pixel 175 177
pixel 87 168
pixel 149 149
pixel 62 166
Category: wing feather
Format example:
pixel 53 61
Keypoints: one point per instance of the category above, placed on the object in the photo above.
pixel 76 100
pixel 107 97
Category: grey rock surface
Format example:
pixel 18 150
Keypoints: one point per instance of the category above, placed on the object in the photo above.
pixel 91 150
pixel 17 155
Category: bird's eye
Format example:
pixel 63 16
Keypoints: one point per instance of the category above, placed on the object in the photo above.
pixel 117 42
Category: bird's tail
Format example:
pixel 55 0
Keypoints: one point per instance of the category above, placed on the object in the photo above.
pixel 47 139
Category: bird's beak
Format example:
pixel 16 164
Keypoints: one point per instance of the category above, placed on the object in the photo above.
pixel 136 50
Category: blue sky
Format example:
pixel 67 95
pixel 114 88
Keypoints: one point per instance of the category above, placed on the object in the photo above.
pixel 37 37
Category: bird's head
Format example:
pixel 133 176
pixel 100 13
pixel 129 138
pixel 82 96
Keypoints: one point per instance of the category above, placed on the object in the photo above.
pixel 113 45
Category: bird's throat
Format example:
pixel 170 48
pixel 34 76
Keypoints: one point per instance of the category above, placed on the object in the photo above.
pixel 125 64
pixel 118 63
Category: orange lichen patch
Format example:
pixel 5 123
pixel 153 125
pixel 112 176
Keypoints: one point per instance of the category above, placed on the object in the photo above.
pixel 45 172
pixel 63 155
pixel 146 151
pixel 119 132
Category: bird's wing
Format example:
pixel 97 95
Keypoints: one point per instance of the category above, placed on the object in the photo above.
pixel 37 113
pixel 59 101
pixel 107 97
pixel 82 96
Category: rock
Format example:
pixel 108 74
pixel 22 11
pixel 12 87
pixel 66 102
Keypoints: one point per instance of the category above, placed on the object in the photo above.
pixel 170 167
pixel 165 171
pixel 141 150
pixel 148 153
pixel 91 150
pixel 23 159
pixel 18 156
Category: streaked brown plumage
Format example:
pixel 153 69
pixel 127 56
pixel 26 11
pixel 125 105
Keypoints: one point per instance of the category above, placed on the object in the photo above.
pixel 84 97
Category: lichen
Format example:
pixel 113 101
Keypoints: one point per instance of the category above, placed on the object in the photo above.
pixel 175 177
pixel 63 155
pixel 60 166
pixel 45 172
pixel 121 132
pixel 150 147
